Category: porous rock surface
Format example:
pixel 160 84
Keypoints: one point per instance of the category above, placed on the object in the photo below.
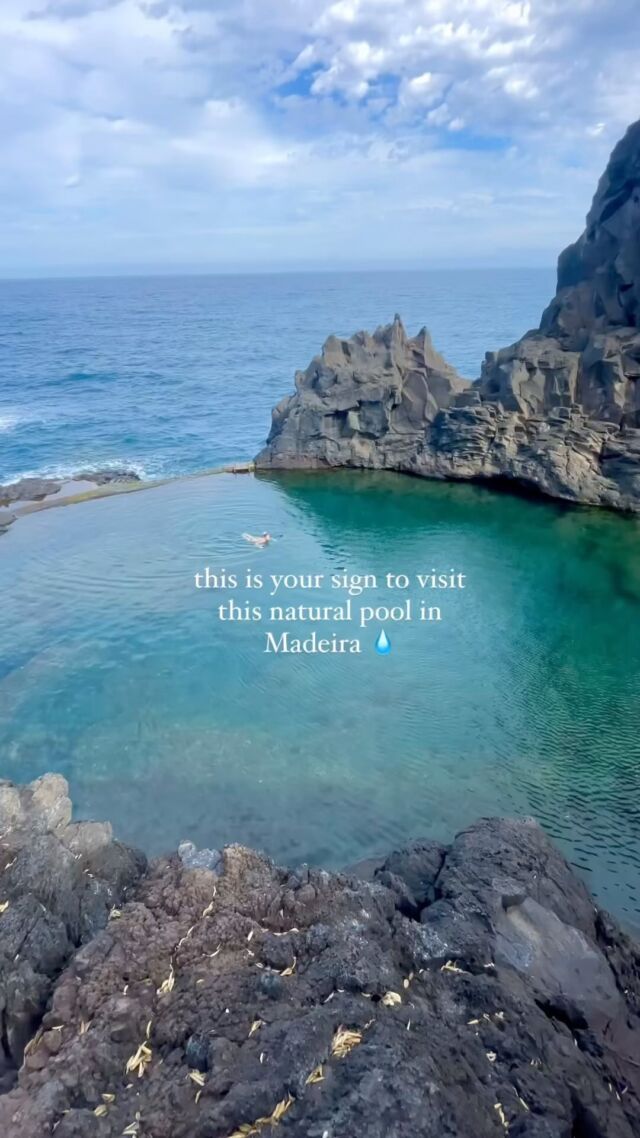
pixel 558 412
pixel 466 991
pixel 59 880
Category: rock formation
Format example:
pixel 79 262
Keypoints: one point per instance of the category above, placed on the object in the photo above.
pixel 558 412
pixel 464 990
pixel 59 880
pixel 37 489
pixel 363 402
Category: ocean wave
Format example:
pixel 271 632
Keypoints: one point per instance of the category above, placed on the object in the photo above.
pixel 68 473
pixel 9 420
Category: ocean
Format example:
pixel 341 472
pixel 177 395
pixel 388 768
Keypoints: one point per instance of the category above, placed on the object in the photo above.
pixel 172 375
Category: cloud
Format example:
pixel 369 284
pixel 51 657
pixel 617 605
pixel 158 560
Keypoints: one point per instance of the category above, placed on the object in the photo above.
pixel 166 132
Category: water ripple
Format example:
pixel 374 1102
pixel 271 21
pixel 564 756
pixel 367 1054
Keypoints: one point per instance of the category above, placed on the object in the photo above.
pixel 115 670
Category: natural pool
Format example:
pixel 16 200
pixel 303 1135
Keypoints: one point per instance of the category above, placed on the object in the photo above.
pixel 522 699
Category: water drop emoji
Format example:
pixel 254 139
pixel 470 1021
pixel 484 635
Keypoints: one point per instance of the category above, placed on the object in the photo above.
pixel 383 644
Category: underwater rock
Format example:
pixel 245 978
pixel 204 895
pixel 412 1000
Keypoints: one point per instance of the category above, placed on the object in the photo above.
pixel 218 1004
pixel 556 413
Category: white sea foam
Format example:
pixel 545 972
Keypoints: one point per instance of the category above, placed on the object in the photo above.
pixel 9 420
pixel 68 473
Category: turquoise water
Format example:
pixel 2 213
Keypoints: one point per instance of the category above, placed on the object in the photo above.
pixel 523 699
pixel 114 670
pixel 179 374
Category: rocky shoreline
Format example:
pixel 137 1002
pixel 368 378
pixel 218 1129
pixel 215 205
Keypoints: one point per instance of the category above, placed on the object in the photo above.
pixel 469 989
pixel 16 496
pixel 30 495
pixel 35 489
pixel 557 413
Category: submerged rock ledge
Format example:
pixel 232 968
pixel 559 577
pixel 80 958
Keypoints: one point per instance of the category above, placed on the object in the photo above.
pixel 558 412
pixel 467 990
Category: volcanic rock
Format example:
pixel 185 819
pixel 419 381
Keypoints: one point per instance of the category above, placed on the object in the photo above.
pixel 556 413
pixel 219 1004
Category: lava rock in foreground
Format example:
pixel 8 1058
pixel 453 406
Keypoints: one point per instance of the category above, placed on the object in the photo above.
pixel 472 990
pixel 557 413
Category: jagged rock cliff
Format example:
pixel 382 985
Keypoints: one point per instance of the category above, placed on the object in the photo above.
pixel 470 989
pixel 558 412
pixel 363 402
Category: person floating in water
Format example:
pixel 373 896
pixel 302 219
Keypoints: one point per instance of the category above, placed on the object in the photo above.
pixel 263 539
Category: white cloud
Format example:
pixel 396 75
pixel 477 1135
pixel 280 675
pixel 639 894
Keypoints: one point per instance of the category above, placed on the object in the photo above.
pixel 231 145
pixel 299 130
pixel 422 90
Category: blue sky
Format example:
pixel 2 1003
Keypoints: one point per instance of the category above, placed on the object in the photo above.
pixel 246 134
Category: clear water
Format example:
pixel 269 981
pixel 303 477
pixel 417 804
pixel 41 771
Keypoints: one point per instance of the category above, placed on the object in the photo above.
pixel 114 671
pixel 178 374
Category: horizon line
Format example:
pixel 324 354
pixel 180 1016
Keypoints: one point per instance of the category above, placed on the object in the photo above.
pixel 122 273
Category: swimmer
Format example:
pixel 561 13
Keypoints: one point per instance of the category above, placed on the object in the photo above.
pixel 264 539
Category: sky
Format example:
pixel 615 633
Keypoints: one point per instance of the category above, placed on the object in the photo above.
pixel 205 135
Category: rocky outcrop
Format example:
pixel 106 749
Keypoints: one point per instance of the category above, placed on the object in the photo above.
pixel 59 880
pixel 28 490
pixel 6 519
pixel 363 402
pixel 107 476
pixel 558 412
pixel 36 489
pixel 464 990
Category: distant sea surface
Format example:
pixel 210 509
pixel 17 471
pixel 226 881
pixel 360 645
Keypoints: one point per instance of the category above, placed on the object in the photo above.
pixel 177 374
